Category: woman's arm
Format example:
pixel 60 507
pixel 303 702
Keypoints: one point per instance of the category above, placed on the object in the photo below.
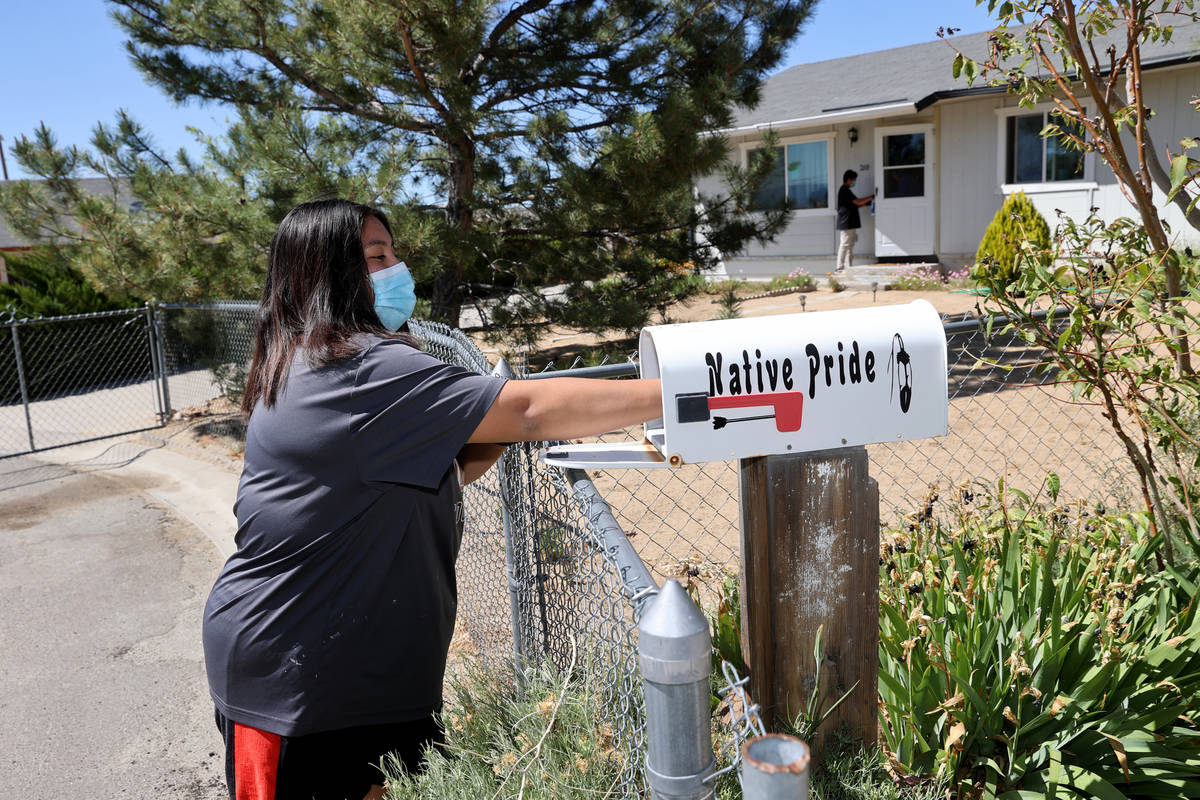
pixel 567 408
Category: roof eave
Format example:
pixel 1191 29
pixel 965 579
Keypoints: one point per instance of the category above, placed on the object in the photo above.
pixel 848 115
pixel 948 94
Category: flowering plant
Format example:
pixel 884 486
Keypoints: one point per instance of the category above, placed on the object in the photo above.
pixel 796 279
pixel 924 277
pixel 1034 649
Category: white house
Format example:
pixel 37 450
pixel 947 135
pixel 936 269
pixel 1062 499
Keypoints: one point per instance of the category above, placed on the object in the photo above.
pixel 943 155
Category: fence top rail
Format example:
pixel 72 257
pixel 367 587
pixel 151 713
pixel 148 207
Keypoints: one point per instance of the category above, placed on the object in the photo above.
pixel 616 370
pixel 998 321
pixel 603 371
pixel 10 320
pixel 17 322
pixel 219 305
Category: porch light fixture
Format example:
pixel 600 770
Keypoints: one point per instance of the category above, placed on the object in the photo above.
pixel 853 132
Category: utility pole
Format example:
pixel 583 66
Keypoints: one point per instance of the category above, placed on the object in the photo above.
pixel 3 163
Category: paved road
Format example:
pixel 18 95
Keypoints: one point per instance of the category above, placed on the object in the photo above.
pixel 102 691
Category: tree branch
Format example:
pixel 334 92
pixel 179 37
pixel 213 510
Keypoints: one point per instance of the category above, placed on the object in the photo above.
pixel 430 97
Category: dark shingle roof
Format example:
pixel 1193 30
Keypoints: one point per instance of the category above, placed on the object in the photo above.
pixel 911 74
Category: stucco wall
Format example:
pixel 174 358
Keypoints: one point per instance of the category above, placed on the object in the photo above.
pixel 968 193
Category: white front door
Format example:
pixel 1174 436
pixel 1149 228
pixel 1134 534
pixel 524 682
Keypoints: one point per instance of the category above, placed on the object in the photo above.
pixel 905 205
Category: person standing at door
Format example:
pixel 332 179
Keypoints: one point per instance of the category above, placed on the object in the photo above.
pixel 848 221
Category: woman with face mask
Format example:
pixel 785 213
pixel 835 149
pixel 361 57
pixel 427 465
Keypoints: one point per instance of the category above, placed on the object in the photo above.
pixel 327 631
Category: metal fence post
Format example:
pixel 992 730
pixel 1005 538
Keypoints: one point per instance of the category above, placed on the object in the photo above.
pixel 21 380
pixel 155 366
pixel 675 657
pixel 774 767
pixel 162 360
pixel 503 370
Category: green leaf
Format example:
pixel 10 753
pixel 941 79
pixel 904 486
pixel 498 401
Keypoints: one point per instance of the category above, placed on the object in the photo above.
pixel 1053 484
pixel 1179 174
pixel 957 65
pixel 1092 784
pixel 971 67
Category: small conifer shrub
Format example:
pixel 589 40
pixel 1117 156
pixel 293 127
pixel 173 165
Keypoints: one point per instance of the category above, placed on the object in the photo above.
pixel 1015 234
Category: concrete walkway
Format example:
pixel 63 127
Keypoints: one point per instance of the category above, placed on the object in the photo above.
pixel 107 552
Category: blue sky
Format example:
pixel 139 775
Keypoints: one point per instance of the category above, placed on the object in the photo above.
pixel 65 63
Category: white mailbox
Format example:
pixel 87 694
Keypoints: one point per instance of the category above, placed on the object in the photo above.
pixel 741 388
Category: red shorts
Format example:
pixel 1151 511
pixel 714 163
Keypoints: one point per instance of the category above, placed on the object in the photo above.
pixel 332 765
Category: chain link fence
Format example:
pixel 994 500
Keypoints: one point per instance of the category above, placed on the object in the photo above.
pixel 551 557
pixel 70 379
pixel 205 352
pixel 544 570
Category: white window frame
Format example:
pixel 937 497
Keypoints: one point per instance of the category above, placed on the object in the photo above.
pixel 1088 181
pixel 828 137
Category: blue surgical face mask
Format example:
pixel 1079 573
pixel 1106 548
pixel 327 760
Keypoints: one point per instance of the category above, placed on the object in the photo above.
pixel 395 295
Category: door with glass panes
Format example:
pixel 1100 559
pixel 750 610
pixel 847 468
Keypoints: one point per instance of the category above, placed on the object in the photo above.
pixel 905 224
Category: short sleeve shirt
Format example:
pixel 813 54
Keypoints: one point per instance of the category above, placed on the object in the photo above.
pixel 338 606
pixel 847 212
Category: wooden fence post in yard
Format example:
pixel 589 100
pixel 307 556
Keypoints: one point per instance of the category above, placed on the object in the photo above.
pixel 810 558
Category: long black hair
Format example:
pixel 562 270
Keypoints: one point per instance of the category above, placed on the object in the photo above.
pixel 317 294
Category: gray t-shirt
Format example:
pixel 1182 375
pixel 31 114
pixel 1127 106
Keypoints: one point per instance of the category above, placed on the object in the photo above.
pixel 338 606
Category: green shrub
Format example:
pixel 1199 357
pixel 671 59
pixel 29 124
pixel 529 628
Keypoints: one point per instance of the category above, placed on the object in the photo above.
pixel 41 284
pixel 848 771
pixel 1037 651
pixel 728 285
pixel 1015 235
pixel 550 740
pixel 725 621
pixel 730 302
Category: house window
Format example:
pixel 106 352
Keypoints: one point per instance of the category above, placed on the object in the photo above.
pixel 904 165
pixel 799 175
pixel 1032 158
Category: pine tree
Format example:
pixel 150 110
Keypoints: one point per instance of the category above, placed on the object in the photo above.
pixel 1017 231
pixel 175 228
pixel 544 141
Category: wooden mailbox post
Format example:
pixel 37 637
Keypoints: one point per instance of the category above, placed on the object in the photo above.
pixel 810 561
